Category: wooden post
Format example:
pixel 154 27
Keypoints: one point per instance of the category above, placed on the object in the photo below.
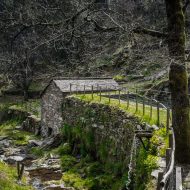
pixel 171 140
pixel 160 176
pixel 136 101
pixel 92 92
pixel 100 93
pixel 178 178
pixel 106 90
pixel 168 156
pixel 77 89
pixel 84 89
pixel 119 96
pixel 21 172
pixel 151 108
pixel 168 120
pixel 143 106
pixel 158 113
pixel 70 88
pixel 127 99
pixel 97 89
pixel 18 168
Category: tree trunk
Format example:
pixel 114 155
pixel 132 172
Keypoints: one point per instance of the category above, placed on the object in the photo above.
pixel 178 79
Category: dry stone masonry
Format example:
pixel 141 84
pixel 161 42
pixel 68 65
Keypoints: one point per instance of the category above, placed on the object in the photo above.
pixel 111 130
pixel 55 93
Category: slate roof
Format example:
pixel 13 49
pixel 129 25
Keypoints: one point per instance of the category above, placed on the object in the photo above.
pixel 78 84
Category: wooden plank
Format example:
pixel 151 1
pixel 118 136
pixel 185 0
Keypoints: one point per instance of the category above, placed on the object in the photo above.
pixel 178 178
pixel 148 135
pixel 160 176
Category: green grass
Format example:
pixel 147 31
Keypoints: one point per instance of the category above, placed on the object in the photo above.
pixel 19 137
pixel 32 106
pixel 8 179
pixel 131 109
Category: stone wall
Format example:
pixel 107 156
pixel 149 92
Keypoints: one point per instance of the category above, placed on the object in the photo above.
pixel 107 132
pixel 51 111
pixel 32 124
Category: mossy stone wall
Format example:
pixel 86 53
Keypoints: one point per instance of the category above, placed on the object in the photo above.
pixel 104 131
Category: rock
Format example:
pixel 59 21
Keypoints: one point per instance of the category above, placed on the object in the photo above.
pixel 52 142
pixel 44 174
pixel 154 173
pixel 155 127
pixel 32 124
pixel 147 127
pixel 5 143
pixel 18 128
pixel 2 151
pixel 34 143
pixel 139 127
pixel 3 137
pixel 14 159
pixel 162 162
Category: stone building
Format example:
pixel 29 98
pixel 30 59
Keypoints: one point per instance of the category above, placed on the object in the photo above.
pixel 54 94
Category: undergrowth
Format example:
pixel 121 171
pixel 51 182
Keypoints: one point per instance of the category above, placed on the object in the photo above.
pixel 8 177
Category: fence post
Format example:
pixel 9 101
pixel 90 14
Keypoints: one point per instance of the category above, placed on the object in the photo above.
pixel 84 89
pixel 119 96
pixel 100 94
pixel 77 89
pixel 160 176
pixel 97 88
pixel 143 106
pixel 158 114
pixel 168 157
pixel 168 120
pixel 170 140
pixel 92 88
pixel 70 88
pixel 127 99
pixel 151 108
pixel 109 97
pixel 136 102
pixel 168 153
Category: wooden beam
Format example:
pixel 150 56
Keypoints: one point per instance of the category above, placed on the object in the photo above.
pixel 178 178
pixel 142 134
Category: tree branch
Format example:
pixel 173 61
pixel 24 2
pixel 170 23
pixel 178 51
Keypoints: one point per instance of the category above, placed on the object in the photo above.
pixel 154 33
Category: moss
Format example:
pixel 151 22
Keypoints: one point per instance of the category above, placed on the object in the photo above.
pixel 8 176
pixel 119 78
pixel 32 106
pixel 64 149
pixel 76 181
pixel 37 151
pixel 67 162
